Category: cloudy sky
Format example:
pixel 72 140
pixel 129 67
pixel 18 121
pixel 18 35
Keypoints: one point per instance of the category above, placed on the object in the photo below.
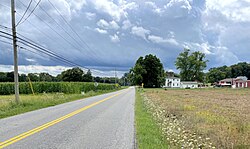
pixel 112 34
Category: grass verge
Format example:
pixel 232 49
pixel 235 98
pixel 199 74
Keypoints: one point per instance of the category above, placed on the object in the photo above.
pixel 148 134
pixel 8 107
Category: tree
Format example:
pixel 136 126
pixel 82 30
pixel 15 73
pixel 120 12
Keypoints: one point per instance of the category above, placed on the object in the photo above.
pixel 33 77
pixel 22 78
pixel 191 66
pixel 88 77
pixel 46 77
pixel 3 77
pixel 148 70
pixel 72 75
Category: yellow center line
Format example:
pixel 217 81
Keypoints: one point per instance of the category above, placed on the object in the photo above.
pixel 51 123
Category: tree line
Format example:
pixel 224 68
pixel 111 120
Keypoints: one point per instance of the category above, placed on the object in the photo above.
pixel 71 75
pixel 218 73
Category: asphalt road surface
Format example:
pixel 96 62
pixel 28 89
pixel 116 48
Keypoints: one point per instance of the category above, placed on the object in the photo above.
pixel 100 122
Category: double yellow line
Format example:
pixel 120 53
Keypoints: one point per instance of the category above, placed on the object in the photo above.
pixel 44 126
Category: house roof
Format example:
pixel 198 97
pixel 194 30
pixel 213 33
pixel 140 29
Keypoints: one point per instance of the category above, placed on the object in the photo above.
pixel 228 79
pixel 189 82
pixel 172 78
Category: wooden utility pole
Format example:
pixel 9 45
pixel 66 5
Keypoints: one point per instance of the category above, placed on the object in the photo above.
pixel 15 51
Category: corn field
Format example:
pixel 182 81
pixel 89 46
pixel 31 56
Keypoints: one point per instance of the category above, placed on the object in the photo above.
pixel 53 87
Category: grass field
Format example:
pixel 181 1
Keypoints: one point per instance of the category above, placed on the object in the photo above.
pixel 8 107
pixel 206 118
pixel 148 133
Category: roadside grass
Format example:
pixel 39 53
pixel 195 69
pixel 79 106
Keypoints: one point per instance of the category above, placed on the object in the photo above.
pixel 148 133
pixel 8 106
pixel 205 118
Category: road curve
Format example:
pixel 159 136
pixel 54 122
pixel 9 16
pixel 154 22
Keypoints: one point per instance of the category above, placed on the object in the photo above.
pixel 104 121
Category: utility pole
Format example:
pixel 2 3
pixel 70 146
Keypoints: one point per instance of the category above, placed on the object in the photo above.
pixel 115 75
pixel 15 51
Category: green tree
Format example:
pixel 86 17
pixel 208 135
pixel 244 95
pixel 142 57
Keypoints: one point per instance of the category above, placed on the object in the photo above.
pixel 3 77
pixel 72 75
pixel 191 66
pixel 88 77
pixel 23 78
pixel 46 77
pixel 34 77
pixel 148 70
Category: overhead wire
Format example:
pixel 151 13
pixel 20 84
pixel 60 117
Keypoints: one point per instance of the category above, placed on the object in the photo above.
pixel 92 56
pixel 32 11
pixel 24 13
pixel 72 28
pixel 50 27
pixel 50 53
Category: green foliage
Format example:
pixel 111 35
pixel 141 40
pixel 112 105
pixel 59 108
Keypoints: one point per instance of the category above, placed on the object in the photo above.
pixel 148 70
pixel 72 75
pixel 52 87
pixel 218 73
pixel 191 65
pixel 88 77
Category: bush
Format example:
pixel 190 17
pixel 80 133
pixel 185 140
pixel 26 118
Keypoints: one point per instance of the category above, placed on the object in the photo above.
pixel 52 87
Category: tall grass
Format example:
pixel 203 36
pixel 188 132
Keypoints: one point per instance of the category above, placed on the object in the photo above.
pixel 53 87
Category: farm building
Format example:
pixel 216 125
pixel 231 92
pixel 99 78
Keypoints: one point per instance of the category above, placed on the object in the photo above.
pixel 239 82
pixel 226 82
pixel 189 84
pixel 172 82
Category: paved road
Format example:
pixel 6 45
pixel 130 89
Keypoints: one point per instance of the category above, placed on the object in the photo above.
pixel 105 121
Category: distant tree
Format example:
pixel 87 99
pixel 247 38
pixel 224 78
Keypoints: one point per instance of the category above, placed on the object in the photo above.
pixel 72 75
pixel 215 75
pixel 88 77
pixel 45 77
pixel 34 77
pixel 191 65
pixel 23 78
pixel 148 70
pixel 3 77
pixel 97 79
pixel 10 76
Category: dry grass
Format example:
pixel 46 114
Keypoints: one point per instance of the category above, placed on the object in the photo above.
pixel 203 117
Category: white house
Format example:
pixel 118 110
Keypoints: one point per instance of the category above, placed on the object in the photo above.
pixel 189 84
pixel 172 82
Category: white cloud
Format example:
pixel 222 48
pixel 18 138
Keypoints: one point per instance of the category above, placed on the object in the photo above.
pixel 203 47
pixel 90 15
pixel 185 4
pixel 126 24
pixel 157 39
pixel 108 25
pixel 140 31
pixel 102 23
pixel 116 11
pixel 114 25
pixel 114 38
pixel 232 9
pixel 30 60
pixel 155 8
pixel 101 31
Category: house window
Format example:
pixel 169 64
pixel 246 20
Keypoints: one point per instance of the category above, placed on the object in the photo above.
pixel 173 79
pixel 173 84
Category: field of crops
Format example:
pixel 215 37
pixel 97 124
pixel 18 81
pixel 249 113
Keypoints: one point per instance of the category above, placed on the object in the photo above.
pixel 53 87
pixel 202 118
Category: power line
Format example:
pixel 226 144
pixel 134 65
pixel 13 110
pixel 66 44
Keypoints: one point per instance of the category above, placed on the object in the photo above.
pixel 24 13
pixel 31 11
pixel 91 55
pixel 6 42
pixel 50 53
pixel 71 27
